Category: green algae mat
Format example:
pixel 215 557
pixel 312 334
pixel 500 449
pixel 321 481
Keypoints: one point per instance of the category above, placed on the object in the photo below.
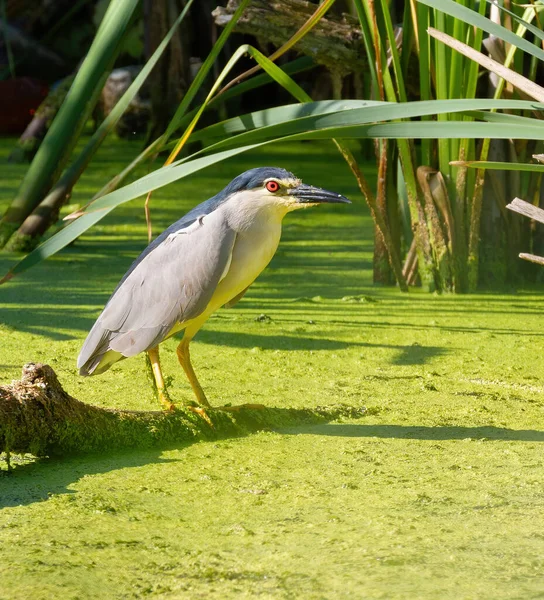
pixel 436 492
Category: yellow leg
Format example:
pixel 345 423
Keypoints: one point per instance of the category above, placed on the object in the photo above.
pixel 160 386
pixel 185 361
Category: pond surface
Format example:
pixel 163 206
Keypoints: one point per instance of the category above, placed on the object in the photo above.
pixel 435 493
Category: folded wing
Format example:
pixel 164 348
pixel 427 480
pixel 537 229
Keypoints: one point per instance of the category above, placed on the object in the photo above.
pixel 171 284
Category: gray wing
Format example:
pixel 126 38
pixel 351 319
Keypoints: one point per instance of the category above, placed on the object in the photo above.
pixel 174 283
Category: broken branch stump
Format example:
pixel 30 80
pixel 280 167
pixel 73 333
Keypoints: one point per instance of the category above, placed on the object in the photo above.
pixel 37 416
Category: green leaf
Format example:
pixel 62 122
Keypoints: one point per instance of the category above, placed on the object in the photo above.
pixel 273 70
pixel 62 135
pixel 495 117
pixel 354 116
pixel 72 173
pixel 299 65
pixel 428 129
pixel 203 71
pixel 399 79
pixel 501 166
pixel 107 203
pixel 279 114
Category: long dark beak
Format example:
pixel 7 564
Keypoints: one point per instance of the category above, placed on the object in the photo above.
pixel 308 194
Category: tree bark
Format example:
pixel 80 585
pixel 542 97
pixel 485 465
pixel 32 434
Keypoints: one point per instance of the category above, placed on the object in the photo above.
pixel 439 222
pixel 38 417
pixel 170 79
pixel 382 273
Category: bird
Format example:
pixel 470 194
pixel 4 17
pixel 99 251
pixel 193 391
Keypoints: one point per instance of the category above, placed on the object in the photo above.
pixel 205 260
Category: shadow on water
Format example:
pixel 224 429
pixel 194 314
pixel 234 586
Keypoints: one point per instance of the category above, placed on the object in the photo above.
pixel 415 432
pixel 43 478
pixel 407 355
pixel 39 480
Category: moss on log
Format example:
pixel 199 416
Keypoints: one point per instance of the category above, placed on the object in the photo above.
pixel 38 417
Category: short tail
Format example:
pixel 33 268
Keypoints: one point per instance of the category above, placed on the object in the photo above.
pixel 96 356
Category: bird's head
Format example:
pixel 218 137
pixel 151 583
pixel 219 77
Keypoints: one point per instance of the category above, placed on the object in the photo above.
pixel 271 186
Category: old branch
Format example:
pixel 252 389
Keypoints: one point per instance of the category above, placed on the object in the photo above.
pixel 526 209
pixel 533 212
pixel 538 260
pixel 38 417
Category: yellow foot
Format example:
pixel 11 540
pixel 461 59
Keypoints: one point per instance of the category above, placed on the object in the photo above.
pixel 167 404
pixel 201 412
pixel 239 407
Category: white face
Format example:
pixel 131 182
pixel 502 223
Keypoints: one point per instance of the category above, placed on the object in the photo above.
pixel 276 191
pixel 266 204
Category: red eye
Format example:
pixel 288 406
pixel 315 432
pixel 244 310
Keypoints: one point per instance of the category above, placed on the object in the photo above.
pixel 272 186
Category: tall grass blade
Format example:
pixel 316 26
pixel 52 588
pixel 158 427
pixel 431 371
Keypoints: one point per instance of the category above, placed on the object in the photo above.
pixel 501 166
pixel 395 59
pixel 279 114
pixel 298 35
pixel 424 60
pixel 529 87
pixel 72 174
pixel 282 121
pixel 473 18
pixel 203 72
pixel 165 175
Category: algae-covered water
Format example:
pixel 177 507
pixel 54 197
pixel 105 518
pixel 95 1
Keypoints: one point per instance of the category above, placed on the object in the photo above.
pixel 437 492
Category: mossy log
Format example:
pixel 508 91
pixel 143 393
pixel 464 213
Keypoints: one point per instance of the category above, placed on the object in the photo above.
pixel 334 42
pixel 38 417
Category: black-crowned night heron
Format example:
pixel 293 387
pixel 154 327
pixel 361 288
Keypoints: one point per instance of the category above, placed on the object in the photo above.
pixel 205 260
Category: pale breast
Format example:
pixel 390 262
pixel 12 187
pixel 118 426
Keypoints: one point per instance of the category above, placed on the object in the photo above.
pixel 253 250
